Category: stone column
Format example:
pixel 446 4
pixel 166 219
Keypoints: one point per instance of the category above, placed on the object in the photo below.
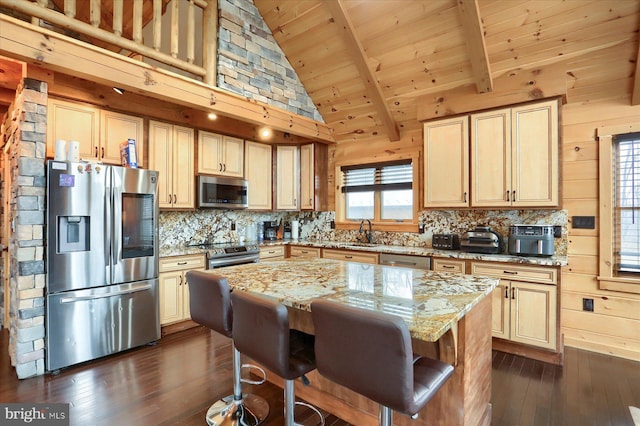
pixel 27 138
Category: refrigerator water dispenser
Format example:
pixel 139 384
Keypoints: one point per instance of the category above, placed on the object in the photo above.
pixel 73 233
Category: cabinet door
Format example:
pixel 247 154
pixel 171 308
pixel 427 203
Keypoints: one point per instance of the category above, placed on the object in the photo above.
pixel 287 177
pixel 446 163
pixel 500 299
pixel 71 121
pixel 258 172
pixel 491 159
pixel 307 181
pixel 160 159
pixel 171 303
pixel 533 313
pixel 534 133
pixel 186 308
pixel 233 157
pixel 183 168
pixel 350 256
pixel 117 128
pixel 209 153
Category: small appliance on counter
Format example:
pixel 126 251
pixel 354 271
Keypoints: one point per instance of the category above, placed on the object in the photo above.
pixel 271 230
pixel 531 240
pixel 482 239
pixel 445 242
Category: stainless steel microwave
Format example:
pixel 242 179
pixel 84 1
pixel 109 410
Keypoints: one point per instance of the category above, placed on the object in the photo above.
pixel 222 192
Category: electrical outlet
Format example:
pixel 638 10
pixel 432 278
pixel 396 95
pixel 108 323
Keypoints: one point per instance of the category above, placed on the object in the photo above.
pixel 587 305
pixel 421 228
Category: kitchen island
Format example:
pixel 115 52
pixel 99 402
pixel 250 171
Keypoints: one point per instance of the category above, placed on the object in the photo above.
pixel 448 315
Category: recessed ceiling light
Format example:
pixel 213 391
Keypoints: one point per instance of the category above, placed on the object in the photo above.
pixel 265 133
pixel 118 90
pixel 212 116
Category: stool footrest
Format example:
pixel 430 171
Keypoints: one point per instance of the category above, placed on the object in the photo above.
pixel 254 382
pixel 312 408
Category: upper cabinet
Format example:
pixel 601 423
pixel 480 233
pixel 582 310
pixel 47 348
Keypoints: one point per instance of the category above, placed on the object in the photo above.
pixel 171 152
pixel 257 171
pixel 314 186
pixel 287 177
pixel 220 155
pixel 99 133
pixel 446 163
pixel 514 156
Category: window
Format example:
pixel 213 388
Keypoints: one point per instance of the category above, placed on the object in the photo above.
pixel 619 212
pixel 379 192
pixel 627 202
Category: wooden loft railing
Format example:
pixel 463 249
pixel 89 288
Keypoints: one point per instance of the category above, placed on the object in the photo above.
pixel 95 28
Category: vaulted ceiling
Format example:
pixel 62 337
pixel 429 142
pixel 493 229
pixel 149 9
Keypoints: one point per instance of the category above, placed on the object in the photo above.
pixel 367 64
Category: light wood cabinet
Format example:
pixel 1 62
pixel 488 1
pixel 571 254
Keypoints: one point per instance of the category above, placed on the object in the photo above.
pixel 446 163
pixel 350 255
pixel 307 180
pixel 272 253
pixel 98 132
pixel 116 128
pixel 449 265
pixel 524 303
pixel 514 156
pixel 303 251
pixel 220 155
pixel 171 152
pixel 174 288
pixel 71 121
pixel 257 171
pixel 287 177
pixel 314 187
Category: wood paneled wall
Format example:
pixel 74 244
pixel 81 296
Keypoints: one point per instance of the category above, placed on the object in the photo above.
pixel 598 93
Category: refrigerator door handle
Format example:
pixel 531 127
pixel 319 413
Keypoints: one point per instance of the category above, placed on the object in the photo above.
pixel 135 289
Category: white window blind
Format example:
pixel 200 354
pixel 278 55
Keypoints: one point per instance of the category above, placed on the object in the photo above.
pixel 627 203
pixel 381 177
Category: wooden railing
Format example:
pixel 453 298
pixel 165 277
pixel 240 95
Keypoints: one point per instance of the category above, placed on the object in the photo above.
pixel 38 10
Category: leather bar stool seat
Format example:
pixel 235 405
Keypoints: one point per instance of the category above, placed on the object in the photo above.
pixel 210 305
pixel 261 331
pixel 371 354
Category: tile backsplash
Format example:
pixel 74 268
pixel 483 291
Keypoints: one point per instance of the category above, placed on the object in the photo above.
pixel 214 225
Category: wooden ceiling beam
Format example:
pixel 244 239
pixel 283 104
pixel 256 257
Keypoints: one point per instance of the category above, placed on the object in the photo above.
pixel 476 46
pixel 361 61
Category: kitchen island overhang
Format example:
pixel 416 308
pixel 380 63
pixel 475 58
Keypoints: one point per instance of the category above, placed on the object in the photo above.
pixel 448 316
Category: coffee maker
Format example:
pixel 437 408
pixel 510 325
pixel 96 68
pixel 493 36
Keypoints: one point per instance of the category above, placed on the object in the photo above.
pixel 270 230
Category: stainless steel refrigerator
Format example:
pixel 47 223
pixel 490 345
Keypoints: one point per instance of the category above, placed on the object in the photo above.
pixel 102 261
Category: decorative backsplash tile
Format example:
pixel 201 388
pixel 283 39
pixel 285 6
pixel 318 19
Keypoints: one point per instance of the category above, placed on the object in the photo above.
pixel 185 228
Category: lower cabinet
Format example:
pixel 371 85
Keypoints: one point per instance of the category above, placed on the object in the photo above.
pixel 524 303
pixel 448 265
pixel 303 251
pixel 174 288
pixel 350 255
pixel 272 253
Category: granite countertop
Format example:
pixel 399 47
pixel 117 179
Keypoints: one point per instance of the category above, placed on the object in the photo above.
pixel 383 248
pixel 427 251
pixel 430 302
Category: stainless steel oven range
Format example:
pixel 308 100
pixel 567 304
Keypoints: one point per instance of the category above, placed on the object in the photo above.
pixel 221 255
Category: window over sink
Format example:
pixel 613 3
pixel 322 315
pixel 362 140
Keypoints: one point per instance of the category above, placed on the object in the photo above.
pixel 383 192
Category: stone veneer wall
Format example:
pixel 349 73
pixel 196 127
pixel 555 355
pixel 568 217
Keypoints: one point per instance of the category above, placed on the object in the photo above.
pixel 182 228
pixel 251 63
pixel 26 135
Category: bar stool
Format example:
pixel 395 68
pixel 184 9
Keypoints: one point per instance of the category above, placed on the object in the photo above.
pixel 210 305
pixel 261 331
pixel 370 353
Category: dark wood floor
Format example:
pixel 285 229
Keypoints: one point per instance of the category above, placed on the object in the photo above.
pixel 175 381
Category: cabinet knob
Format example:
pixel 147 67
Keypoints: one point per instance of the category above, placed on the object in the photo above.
pixel 175 199
pixel 506 292
pixel 224 167
pixel 102 152
pixel 464 197
pixel 513 197
pixel 96 152
pixel 219 167
pixel 169 200
pixel 508 196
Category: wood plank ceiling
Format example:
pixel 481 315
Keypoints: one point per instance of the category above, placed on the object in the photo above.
pixel 366 63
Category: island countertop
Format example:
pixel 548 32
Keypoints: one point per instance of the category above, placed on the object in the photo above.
pixel 430 302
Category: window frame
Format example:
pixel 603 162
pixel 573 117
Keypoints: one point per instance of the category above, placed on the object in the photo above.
pixel 608 278
pixel 386 225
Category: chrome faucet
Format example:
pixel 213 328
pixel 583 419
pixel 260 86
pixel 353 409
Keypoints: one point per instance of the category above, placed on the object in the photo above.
pixel 367 234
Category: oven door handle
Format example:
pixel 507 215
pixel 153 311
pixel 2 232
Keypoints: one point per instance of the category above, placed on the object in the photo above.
pixel 235 260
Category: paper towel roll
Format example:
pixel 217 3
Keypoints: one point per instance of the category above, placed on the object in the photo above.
pixel 294 229
pixel 61 150
pixel 74 151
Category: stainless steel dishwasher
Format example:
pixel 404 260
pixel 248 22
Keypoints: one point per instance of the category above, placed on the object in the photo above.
pixel 405 260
